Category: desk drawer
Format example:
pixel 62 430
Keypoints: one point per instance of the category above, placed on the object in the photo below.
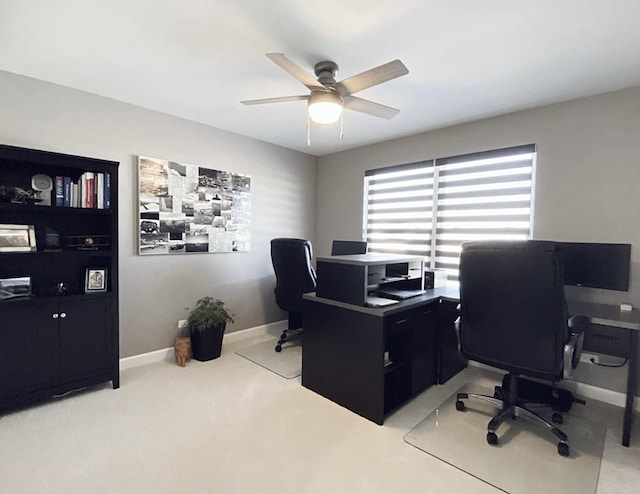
pixel 398 323
pixel 608 340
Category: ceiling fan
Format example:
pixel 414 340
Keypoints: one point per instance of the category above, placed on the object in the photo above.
pixel 328 97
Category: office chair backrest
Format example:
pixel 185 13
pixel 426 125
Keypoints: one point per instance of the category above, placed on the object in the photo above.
pixel 513 309
pixel 291 258
pixel 345 247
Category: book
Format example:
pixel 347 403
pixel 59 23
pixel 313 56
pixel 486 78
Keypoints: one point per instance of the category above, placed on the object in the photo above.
pixel 90 190
pixel 59 187
pixel 74 194
pixel 107 190
pixel 99 191
pixel 83 190
pixel 66 182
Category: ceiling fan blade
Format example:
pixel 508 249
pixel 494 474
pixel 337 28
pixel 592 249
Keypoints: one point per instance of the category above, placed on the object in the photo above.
pixel 295 70
pixel 281 99
pixel 372 77
pixel 369 107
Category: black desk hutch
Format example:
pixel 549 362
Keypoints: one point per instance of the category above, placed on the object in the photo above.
pixel 373 359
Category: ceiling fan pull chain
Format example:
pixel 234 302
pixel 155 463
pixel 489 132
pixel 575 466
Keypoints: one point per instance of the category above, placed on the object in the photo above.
pixel 341 125
pixel 308 130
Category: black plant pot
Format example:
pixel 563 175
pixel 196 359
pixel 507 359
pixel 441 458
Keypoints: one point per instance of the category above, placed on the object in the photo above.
pixel 207 345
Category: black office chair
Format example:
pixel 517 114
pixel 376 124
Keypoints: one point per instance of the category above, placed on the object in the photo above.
pixel 513 316
pixel 295 276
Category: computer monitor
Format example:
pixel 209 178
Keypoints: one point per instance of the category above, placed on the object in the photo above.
pixel 346 247
pixel 596 265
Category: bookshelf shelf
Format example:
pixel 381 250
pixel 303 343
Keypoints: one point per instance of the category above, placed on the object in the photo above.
pixel 51 209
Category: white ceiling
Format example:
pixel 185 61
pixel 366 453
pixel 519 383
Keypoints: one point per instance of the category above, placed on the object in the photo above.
pixel 197 59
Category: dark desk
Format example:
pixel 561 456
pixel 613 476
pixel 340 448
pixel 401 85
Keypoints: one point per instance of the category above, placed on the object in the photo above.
pixel 345 346
pixel 614 332
pixel 371 360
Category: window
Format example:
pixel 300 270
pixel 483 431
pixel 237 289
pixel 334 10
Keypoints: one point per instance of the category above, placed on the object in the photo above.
pixel 430 208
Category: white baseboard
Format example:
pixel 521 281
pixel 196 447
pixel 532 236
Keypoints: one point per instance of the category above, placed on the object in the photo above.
pixel 582 389
pixel 163 354
pixel 146 358
pixel 601 394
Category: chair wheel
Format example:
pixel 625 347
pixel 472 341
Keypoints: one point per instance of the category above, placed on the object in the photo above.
pixel 563 449
pixel 459 405
pixel 278 348
pixel 557 418
pixel 492 438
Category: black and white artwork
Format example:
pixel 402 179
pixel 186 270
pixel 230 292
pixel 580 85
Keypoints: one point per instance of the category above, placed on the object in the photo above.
pixel 15 287
pixel 188 208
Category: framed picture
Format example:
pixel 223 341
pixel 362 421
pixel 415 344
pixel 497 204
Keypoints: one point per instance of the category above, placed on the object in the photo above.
pixel 185 209
pixel 17 238
pixel 15 287
pixel 95 280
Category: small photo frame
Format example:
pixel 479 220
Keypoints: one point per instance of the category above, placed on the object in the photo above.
pixel 17 238
pixel 95 280
pixel 15 287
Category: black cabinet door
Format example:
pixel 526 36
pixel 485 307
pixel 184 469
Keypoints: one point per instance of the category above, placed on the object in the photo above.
pixel 451 361
pixel 424 348
pixel 85 345
pixel 29 343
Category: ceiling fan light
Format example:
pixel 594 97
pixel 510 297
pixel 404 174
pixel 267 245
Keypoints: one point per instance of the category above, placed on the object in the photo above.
pixel 325 107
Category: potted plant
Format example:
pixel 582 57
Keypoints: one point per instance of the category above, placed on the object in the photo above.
pixel 206 323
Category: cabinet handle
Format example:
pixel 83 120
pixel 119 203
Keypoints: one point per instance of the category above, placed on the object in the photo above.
pixel 401 321
pixel 63 315
pixel 54 315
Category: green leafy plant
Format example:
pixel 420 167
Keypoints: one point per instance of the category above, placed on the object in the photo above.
pixel 208 313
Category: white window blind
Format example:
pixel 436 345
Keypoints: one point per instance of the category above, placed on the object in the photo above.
pixel 430 208
pixel 399 209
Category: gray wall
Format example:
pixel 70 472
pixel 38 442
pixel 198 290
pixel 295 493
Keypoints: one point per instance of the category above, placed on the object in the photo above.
pixel 587 181
pixel 154 290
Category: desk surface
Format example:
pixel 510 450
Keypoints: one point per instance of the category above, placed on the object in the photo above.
pixel 447 293
pixel 370 259
pixel 607 315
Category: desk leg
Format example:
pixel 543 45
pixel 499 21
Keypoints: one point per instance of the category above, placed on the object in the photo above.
pixel 631 389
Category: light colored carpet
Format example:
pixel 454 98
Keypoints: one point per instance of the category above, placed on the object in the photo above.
pixel 228 426
pixel 525 460
pixel 287 363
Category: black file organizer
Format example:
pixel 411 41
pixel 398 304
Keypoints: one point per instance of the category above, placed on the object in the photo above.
pixel 351 278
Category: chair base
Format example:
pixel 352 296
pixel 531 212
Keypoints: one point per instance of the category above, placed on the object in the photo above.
pixel 288 335
pixel 511 407
pixel 293 331
pixel 560 400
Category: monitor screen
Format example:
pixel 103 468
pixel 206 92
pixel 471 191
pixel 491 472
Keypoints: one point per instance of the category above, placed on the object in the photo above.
pixel 346 247
pixel 596 265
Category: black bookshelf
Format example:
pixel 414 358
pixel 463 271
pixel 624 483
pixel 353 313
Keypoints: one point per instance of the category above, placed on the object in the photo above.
pixel 55 335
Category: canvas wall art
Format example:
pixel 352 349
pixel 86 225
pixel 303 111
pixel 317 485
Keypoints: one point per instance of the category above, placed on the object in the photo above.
pixel 192 209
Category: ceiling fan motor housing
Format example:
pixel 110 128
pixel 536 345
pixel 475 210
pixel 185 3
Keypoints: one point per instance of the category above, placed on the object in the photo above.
pixel 326 72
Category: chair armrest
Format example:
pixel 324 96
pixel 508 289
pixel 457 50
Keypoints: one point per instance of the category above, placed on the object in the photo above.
pixel 573 347
pixel 578 323
pixel 456 325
